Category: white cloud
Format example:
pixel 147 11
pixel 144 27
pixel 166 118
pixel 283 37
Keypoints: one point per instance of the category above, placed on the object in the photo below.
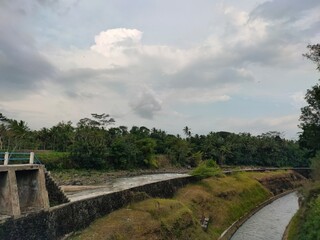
pixel 298 99
pixel 201 95
pixel 141 79
pixel 146 104
pixel 287 124
pixel 242 30
pixel 120 46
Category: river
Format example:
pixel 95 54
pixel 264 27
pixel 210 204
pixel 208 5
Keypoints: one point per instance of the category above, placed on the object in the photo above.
pixel 120 184
pixel 270 222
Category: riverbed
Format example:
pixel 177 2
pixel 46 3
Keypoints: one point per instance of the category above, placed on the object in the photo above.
pixel 76 193
pixel 270 222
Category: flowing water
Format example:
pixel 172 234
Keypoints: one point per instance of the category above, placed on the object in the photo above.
pixel 270 222
pixel 122 184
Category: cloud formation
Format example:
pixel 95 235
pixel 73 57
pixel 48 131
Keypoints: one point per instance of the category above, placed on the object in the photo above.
pixel 287 10
pixel 22 65
pixel 146 104
pixel 119 63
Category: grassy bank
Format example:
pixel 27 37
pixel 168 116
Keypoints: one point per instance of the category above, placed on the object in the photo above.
pixel 305 225
pixel 221 199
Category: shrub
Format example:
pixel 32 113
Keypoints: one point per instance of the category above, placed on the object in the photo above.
pixel 207 169
pixel 55 160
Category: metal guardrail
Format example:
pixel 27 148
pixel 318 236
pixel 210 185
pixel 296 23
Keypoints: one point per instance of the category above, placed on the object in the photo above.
pixel 28 157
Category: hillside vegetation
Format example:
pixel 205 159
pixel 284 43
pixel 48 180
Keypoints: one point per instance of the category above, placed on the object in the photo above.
pixel 94 144
pixel 222 199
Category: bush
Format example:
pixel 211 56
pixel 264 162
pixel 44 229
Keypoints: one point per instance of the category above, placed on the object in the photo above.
pixel 315 166
pixel 207 169
pixel 55 160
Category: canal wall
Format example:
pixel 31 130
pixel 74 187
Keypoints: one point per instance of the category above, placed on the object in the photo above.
pixel 282 183
pixel 58 221
pixel 279 186
pixel 227 234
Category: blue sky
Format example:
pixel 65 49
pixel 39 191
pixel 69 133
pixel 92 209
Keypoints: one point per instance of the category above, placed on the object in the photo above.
pixel 211 65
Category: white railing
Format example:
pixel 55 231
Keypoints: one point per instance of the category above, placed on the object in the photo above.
pixel 17 156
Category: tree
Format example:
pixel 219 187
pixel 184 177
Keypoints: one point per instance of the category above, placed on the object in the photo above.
pixel 90 146
pixel 3 121
pixel 187 131
pixel 98 120
pixel 61 135
pixel 310 120
pixel 310 114
pixel 314 54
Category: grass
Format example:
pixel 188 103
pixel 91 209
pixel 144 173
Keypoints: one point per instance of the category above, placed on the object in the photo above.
pixel 305 224
pixel 55 160
pixel 206 169
pixel 222 199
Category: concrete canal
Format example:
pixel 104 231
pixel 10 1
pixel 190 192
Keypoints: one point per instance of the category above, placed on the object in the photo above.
pixel 270 222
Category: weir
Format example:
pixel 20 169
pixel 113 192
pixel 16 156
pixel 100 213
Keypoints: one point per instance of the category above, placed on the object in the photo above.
pixel 22 187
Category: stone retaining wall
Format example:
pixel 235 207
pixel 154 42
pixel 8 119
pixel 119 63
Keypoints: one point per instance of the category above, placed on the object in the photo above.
pixel 63 219
pixel 55 194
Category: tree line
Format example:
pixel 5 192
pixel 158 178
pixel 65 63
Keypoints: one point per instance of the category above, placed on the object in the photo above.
pixel 95 143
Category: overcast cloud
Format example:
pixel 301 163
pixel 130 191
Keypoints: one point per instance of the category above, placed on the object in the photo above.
pixel 210 65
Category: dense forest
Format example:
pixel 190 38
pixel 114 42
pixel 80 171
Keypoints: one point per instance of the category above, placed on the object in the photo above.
pixel 95 143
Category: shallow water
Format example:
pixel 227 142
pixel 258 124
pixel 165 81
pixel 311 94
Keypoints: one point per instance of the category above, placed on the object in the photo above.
pixel 122 184
pixel 270 222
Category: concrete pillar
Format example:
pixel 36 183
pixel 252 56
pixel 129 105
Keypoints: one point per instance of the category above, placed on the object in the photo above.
pixel 15 204
pixel 9 198
pixel 43 198
pixel 22 189
pixel 6 158
pixel 31 158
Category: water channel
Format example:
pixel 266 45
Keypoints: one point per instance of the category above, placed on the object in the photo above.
pixel 120 184
pixel 270 222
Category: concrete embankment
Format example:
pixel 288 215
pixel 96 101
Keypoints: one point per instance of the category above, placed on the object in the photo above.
pixel 63 219
pixel 220 200
pixel 279 186
pixel 236 225
pixel 69 217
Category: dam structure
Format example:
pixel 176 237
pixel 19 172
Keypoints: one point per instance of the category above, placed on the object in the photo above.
pixel 32 205
pixel 22 186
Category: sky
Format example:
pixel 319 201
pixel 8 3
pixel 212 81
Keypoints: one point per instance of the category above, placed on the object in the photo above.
pixel 210 65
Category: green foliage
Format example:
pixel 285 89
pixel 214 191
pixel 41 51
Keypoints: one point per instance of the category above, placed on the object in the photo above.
pixel 195 159
pixel 146 149
pixel 310 114
pixel 123 153
pixel 89 149
pixel 178 150
pixel 94 146
pixel 315 165
pixel 310 229
pixel 305 224
pixel 314 54
pixel 207 169
pixel 310 121
pixel 55 160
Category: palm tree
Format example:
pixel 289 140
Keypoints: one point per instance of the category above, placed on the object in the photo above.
pixel 187 131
